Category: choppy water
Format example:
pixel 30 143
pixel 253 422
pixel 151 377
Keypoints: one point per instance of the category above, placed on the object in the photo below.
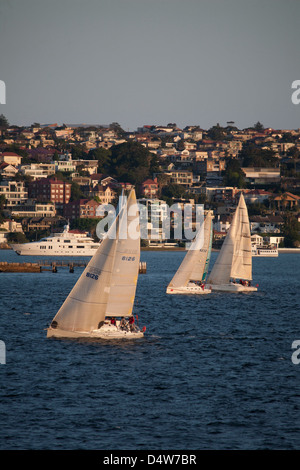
pixel 213 372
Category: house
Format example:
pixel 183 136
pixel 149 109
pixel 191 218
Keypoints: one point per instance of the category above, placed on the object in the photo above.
pixel 286 201
pixel 38 170
pixel 91 166
pixel 33 208
pixel 81 208
pixel 222 223
pixel 10 157
pixel 262 175
pixel 106 194
pixel 183 177
pixel 14 192
pixel 257 196
pixel 266 224
pixel 149 188
pixel 7 170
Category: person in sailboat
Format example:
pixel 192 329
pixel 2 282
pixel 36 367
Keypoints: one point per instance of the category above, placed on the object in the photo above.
pixel 131 323
pixel 113 321
pixel 124 324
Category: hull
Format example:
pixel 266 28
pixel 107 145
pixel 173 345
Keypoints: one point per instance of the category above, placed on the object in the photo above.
pixel 233 288
pixel 105 332
pixel 188 290
pixel 32 250
pixel 265 253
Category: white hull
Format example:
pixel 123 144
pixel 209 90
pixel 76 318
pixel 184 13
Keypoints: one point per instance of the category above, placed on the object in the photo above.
pixel 233 288
pixel 28 249
pixel 188 290
pixel 265 252
pixel 107 331
pixel 67 243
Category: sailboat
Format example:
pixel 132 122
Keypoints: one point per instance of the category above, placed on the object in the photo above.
pixel 101 302
pixel 191 274
pixel 235 258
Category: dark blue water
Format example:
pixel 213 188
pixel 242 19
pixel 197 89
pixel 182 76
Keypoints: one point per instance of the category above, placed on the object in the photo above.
pixel 213 372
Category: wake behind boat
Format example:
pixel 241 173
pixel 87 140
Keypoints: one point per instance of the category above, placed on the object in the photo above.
pixel 67 243
pixel 232 271
pixel 101 302
pixel 191 274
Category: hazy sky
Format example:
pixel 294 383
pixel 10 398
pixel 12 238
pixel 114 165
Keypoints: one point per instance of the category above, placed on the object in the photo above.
pixel 137 62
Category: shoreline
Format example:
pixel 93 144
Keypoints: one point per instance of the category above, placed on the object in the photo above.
pixel 178 248
pixel 288 250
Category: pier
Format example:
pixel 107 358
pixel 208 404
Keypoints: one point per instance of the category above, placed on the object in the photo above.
pixel 53 266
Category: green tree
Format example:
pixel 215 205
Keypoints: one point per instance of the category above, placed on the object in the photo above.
pixel 4 124
pixel 103 157
pixel 233 174
pixel 2 207
pixel 16 237
pixel 115 126
pixel 130 162
pixel 176 191
pixel 291 231
pixel 217 132
pixel 252 155
pixel 258 127
pixel 76 192
pixel 78 152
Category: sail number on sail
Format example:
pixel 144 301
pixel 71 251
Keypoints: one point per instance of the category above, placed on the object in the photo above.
pixel 92 276
pixel 128 258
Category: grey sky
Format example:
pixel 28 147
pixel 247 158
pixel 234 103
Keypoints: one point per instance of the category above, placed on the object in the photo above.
pixel 142 62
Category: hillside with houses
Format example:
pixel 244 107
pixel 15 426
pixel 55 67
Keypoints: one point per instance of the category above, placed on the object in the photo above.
pixel 50 174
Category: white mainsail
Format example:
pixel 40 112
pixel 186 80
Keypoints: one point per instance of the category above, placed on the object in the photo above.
pixel 235 257
pixel 195 263
pixel 107 285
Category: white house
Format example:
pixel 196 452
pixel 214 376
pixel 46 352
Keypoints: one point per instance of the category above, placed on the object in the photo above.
pixel 10 157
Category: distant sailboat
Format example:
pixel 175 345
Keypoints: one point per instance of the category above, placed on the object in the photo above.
pixel 235 258
pixel 191 274
pixel 101 302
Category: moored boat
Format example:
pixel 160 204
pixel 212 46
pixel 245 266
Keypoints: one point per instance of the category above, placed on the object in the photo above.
pixel 67 243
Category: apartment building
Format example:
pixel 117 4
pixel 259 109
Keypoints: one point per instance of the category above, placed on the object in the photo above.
pixel 51 189
pixel 14 192
pixel 81 208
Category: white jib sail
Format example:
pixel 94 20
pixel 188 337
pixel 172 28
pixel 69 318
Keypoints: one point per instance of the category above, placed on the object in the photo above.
pixel 235 257
pixel 194 262
pixel 92 296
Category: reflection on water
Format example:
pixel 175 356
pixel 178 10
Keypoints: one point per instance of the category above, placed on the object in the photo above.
pixel 213 371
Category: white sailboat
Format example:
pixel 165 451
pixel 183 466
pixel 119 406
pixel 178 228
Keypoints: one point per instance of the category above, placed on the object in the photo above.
pixel 235 258
pixel 101 302
pixel 191 274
